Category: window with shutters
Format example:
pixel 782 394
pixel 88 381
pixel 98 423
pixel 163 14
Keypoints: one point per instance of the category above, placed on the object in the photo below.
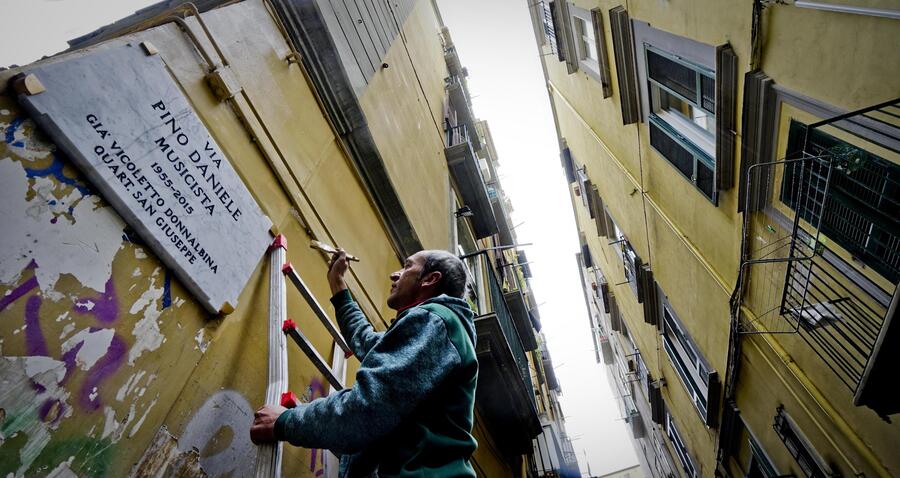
pixel 684 456
pixel 688 93
pixel 590 45
pixel 546 15
pixel 699 379
pixel 682 116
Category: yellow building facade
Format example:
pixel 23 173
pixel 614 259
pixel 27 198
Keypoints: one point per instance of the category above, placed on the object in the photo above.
pixel 349 124
pixel 734 179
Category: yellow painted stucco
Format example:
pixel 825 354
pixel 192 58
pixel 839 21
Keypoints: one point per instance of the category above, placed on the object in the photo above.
pixel 693 245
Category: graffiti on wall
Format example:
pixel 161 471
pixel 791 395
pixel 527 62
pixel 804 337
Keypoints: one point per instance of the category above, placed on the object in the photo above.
pixel 73 327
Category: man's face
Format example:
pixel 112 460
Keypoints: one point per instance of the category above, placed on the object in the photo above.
pixel 406 283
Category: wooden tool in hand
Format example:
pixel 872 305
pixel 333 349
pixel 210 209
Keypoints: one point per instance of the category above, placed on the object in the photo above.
pixel 329 250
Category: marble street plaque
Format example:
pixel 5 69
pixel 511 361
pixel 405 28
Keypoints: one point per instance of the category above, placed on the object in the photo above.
pixel 120 116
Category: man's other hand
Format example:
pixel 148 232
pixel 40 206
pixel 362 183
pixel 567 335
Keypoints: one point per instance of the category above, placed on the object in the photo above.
pixel 263 428
pixel 336 270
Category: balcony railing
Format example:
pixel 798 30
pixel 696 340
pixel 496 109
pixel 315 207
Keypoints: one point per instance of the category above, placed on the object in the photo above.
pixel 497 305
pixel 825 254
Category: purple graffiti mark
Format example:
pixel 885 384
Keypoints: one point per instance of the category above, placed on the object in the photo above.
pixel 35 345
pixel 68 358
pixel 18 292
pixel 52 410
pixel 315 390
pixel 56 170
pixel 10 134
pixel 167 289
pixel 105 367
pixel 106 305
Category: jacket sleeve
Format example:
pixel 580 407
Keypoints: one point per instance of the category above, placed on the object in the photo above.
pixel 411 360
pixel 355 327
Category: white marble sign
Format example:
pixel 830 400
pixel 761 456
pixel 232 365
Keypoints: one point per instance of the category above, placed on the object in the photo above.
pixel 120 116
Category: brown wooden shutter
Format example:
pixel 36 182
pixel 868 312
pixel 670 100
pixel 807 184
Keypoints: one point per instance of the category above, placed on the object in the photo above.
pixel 602 56
pixel 623 47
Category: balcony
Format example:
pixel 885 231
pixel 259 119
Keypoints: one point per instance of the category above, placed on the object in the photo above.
pixel 452 59
pixel 504 228
pixel 461 104
pixel 829 266
pixel 466 172
pixel 505 394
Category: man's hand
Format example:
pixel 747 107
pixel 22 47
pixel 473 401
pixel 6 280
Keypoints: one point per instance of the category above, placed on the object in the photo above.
pixel 263 428
pixel 336 270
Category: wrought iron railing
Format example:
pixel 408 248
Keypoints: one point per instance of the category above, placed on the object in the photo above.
pixel 839 316
pixel 819 226
pixel 455 135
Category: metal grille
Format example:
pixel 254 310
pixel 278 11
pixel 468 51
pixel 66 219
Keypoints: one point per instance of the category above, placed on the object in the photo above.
pixel 456 134
pixel 862 213
pixel 680 157
pixel 673 75
pixel 827 195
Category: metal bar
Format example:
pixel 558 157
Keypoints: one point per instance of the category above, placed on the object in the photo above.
pixel 268 457
pixel 291 274
pixel 310 351
pixel 835 119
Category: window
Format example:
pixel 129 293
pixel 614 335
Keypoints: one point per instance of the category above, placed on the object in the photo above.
pixel 698 378
pixel 760 466
pixel 811 464
pixel 687 463
pixel 585 43
pixel 633 268
pixel 860 212
pixel 682 117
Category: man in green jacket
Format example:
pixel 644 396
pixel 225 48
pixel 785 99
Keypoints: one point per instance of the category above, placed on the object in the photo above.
pixel 410 412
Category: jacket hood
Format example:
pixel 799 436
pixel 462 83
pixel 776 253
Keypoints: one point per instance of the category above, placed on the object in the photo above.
pixel 461 308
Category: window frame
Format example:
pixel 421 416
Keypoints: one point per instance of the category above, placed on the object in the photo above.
pixel 681 450
pixel 700 380
pixel 811 463
pixel 683 131
pixel 591 66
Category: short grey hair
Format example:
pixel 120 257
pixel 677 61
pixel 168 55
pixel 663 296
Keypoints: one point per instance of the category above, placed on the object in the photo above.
pixel 454 274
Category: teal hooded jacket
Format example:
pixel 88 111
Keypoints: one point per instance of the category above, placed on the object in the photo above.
pixel 410 412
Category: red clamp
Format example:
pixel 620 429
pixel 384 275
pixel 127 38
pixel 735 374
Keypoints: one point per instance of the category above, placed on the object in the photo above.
pixel 279 241
pixel 348 355
pixel 289 400
pixel 288 325
pixel 287 268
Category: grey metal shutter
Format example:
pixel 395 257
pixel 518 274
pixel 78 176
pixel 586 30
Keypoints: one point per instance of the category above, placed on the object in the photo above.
pixel 623 47
pixel 599 213
pixel 648 287
pixel 568 163
pixel 756 138
pixel 726 104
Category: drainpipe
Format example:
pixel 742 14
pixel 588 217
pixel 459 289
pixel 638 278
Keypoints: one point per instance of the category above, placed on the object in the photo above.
pixel 835 7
